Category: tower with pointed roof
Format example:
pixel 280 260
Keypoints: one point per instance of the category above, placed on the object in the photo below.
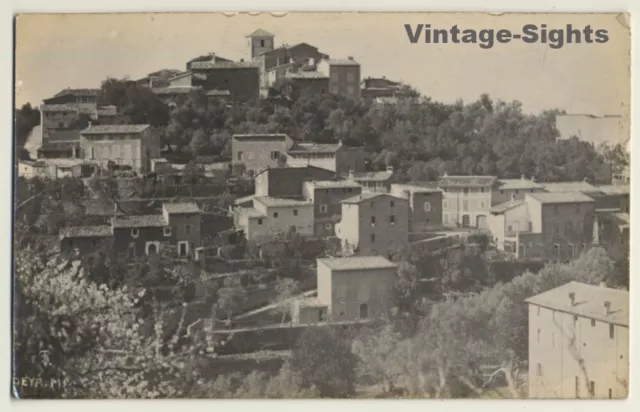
pixel 260 41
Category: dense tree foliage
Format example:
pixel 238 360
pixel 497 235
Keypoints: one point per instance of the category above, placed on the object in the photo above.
pixel 26 118
pixel 134 104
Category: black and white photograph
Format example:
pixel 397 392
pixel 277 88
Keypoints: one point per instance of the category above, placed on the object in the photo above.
pixel 321 205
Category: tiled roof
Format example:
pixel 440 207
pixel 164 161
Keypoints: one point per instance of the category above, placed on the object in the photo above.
pixel 78 92
pixel 182 208
pixel 369 196
pixel 250 212
pixel 174 89
pixel 260 136
pixel 139 221
pixel 381 176
pixel 59 145
pixel 623 219
pixel 342 62
pixel 567 197
pixel 414 188
pixel 306 75
pixel 357 263
pixel 314 148
pixel 218 93
pixel 503 207
pixel 563 187
pixel 85 231
pixel 327 184
pixel 276 201
pixel 100 208
pixel 115 128
pixel 589 302
pixel 260 32
pixel 615 189
pixel 510 184
pixel 426 184
pixel 467 181
pixel 59 108
pixel 224 65
pixel 245 199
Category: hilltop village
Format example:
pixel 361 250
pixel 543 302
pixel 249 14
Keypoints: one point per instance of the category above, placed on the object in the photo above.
pixel 248 240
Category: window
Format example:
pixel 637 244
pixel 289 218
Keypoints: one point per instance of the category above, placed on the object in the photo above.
pixel 132 250
pixel 530 227
pixel 465 191
pixel 259 221
pixel 593 323
pixel 187 229
pixel 373 220
pixel 275 155
pixel 240 155
pixel 135 232
pixel 481 205
pixel 539 370
pixel 516 191
pixel 167 231
pixel 392 219
pixel 509 228
pixel 295 212
pixel 261 43
pixel 391 204
pixel 592 388
pixel 373 238
pixel 465 205
pixel 482 190
pixel 610 394
pixel 611 332
pixel 183 248
pixel 323 208
pixel 445 218
pixel 445 204
pixel 60 125
pixel 364 311
pixel 152 248
pixel 427 207
pixel 502 192
pixel 275 215
pixel 568 228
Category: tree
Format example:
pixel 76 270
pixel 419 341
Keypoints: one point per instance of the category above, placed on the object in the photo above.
pixel 199 144
pixel 26 118
pixel 92 336
pixel 377 350
pixel 231 296
pixel 135 104
pixel 322 359
pixel 286 288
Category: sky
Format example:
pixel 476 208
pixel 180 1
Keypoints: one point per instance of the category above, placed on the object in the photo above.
pixel 54 52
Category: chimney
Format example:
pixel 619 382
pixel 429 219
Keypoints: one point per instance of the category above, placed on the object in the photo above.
pixel 89 125
pixel 572 298
pixel 312 61
pixel 350 57
pixel 291 60
pixel 351 175
pixel 607 308
pixel 522 177
pixel 533 178
pixel 390 169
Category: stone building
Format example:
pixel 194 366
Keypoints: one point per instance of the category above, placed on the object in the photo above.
pixel 373 224
pixel 344 76
pixel 125 145
pixel 579 343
